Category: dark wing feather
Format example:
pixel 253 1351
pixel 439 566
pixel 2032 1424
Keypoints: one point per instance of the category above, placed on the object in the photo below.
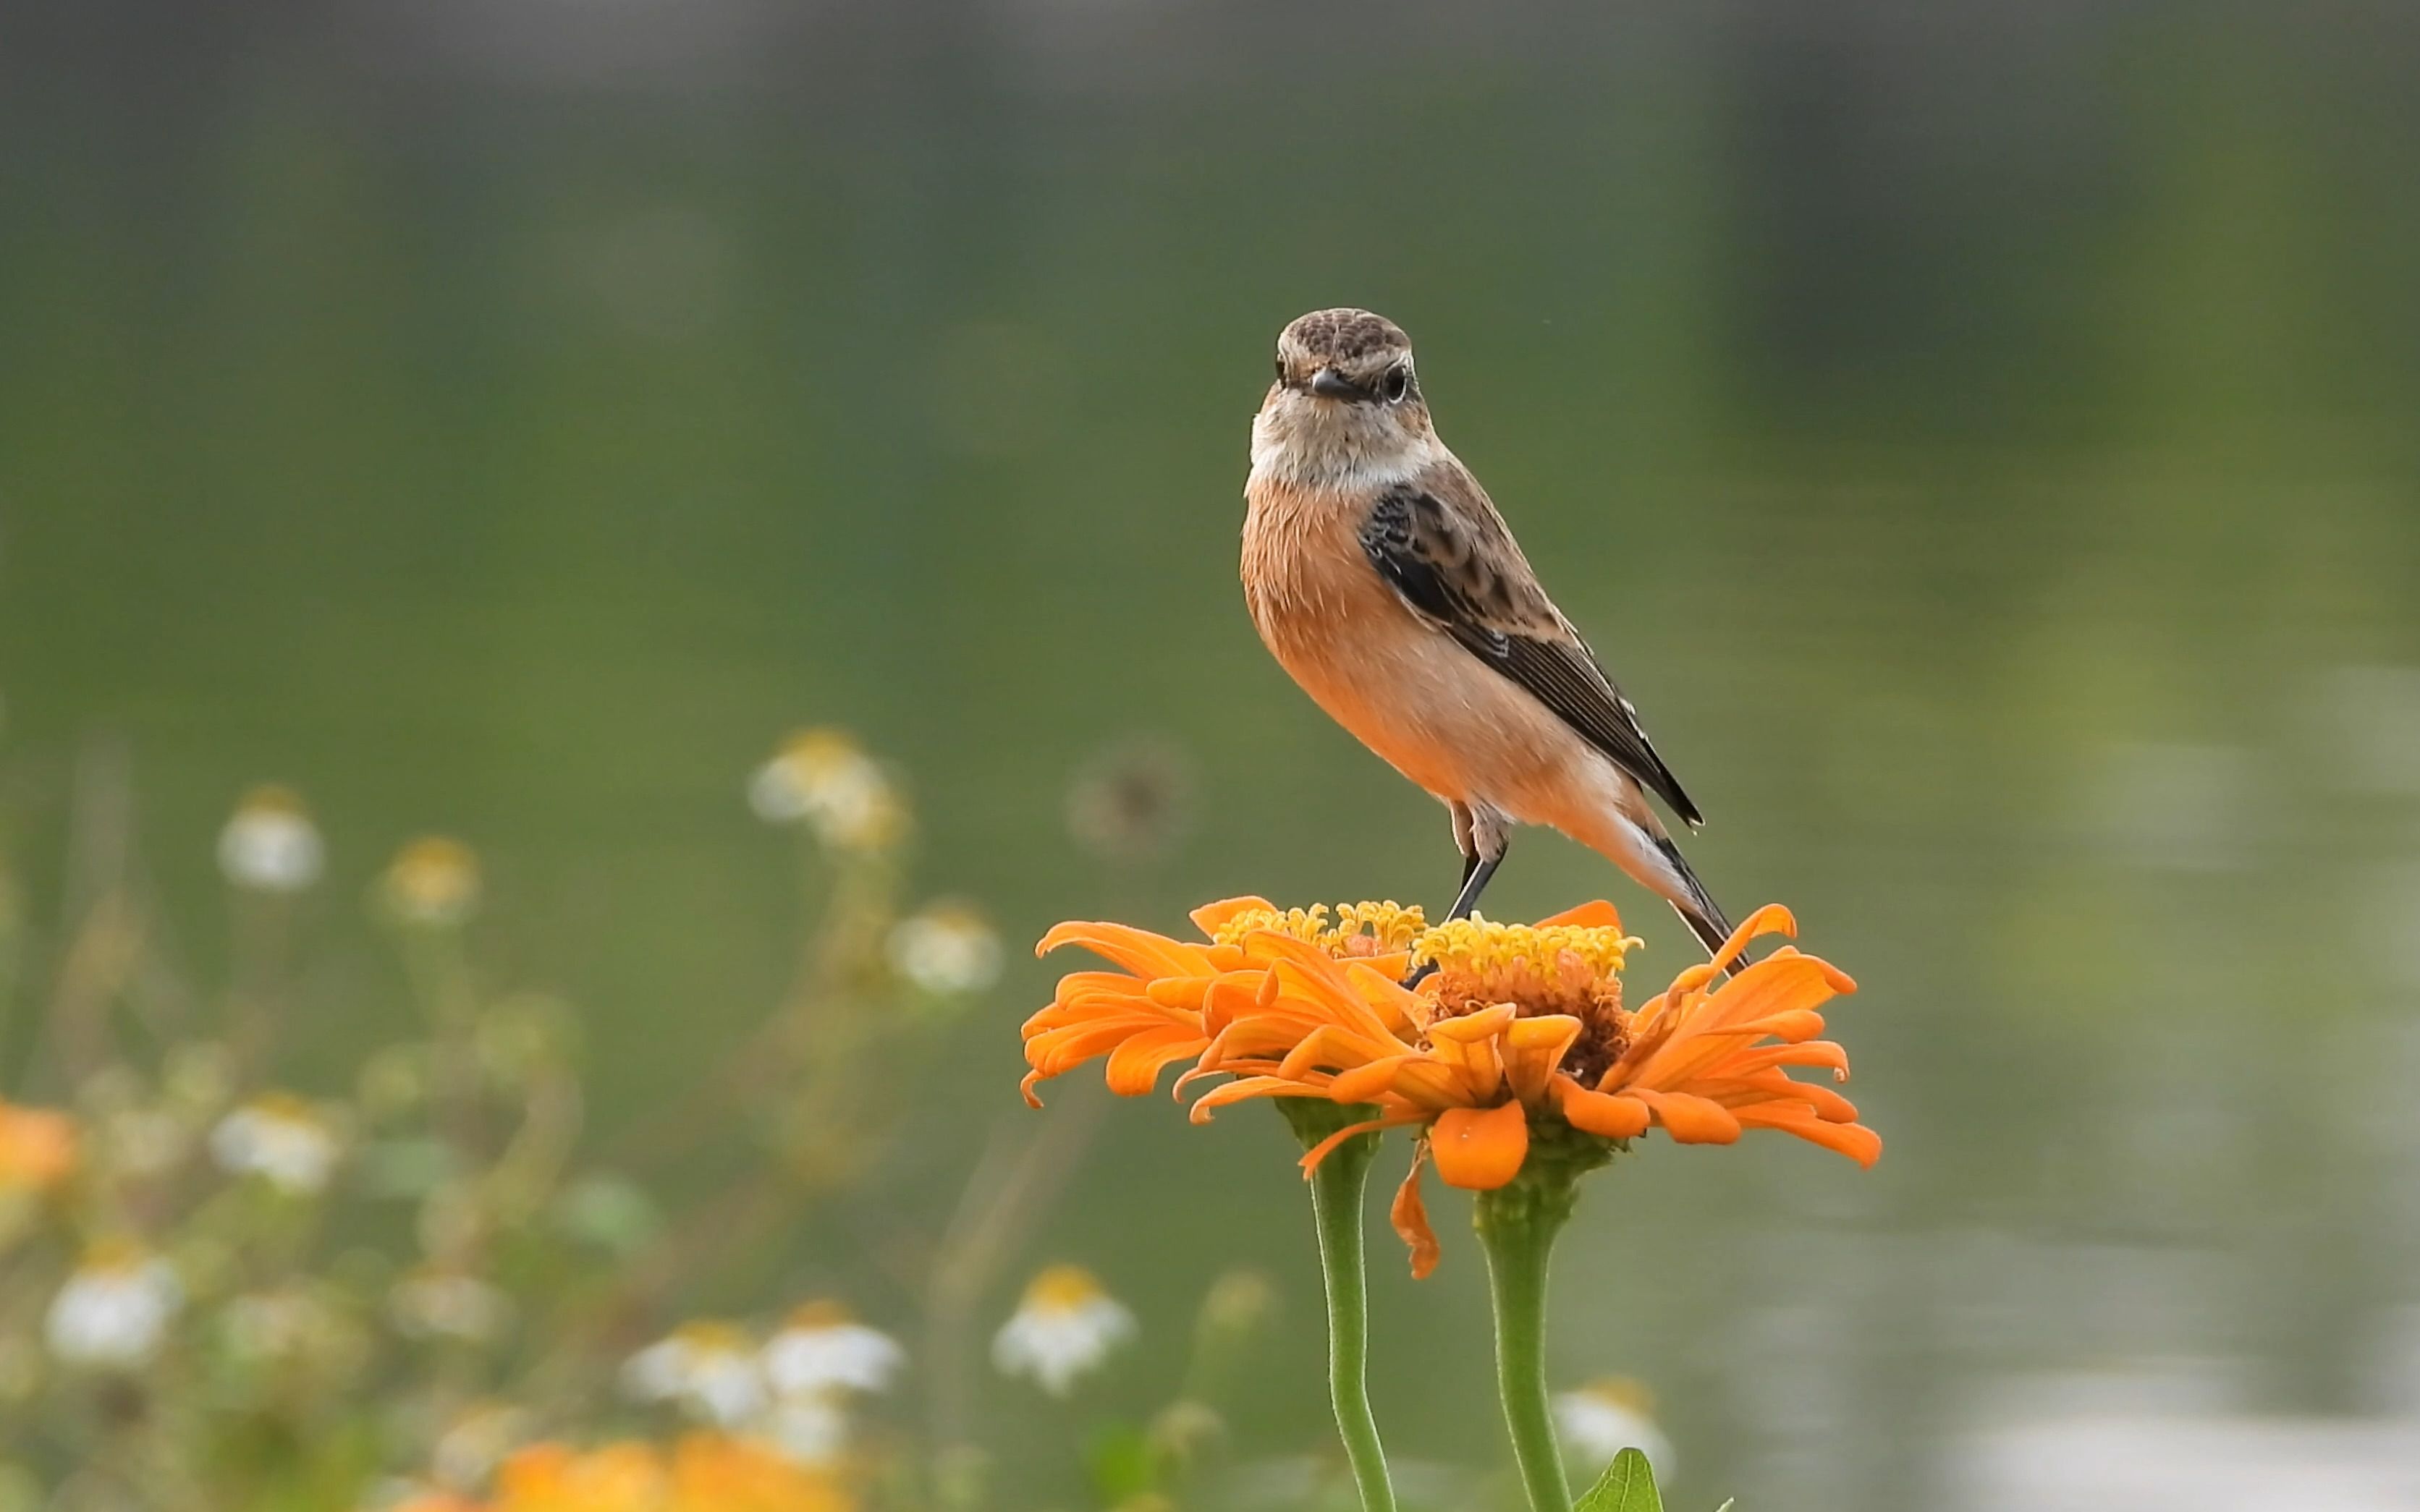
pixel 1460 568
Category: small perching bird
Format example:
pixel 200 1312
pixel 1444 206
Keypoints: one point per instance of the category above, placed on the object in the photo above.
pixel 1381 577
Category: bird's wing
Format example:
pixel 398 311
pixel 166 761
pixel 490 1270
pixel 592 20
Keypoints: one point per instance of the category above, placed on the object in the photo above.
pixel 1440 543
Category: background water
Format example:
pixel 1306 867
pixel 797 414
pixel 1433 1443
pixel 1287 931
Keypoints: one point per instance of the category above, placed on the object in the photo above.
pixel 1979 437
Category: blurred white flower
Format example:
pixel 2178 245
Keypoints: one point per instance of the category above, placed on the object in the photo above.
pixel 441 1304
pixel 1065 1328
pixel 270 843
pixel 822 1348
pixel 710 1370
pixel 280 1139
pixel 1604 1417
pixel 115 1310
pixel 823 777
pixel 432 881
pixel 808 1430
pixel 949 950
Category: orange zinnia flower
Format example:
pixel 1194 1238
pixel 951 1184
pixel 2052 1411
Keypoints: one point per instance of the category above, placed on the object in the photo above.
pixel 1521 1030
pixel 1171 998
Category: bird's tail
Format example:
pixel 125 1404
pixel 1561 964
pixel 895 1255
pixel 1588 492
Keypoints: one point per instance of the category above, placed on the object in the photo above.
pixel 1698 910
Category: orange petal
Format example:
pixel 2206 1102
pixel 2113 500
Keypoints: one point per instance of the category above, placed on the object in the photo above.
pixel 1533 1047
pixel 1428 1084
pixel 1824 1053
pixel 1184 993
pixel 1410 1216
pixel 1770 919
pixel 1599 1113
pixel 1854 1140
pixel 1139 951
pixel 1596 914
pixel 1237 1091
pixel 1327 1146
pixel 1478 1149
pixel 1472 1027
pixel 1135 1066
pixel 1365 1082
pixel 1209 916
pixel 1691 1120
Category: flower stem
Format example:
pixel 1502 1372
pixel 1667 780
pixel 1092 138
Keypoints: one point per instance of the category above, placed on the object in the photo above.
pixel 1336 1201
pixel 1517 1224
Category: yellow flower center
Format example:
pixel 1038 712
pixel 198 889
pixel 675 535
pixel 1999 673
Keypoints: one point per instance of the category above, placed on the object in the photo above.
pixel 272 799
pixel 1483 946
pixel 708 1337
pixel 1361 929
pixel 820 1315
pixel 1623 1392
pixel 1063 1288
pixel 1555 968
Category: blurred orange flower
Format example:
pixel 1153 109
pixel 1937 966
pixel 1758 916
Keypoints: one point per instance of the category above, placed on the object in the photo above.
pixel 1171 998
pixel 705 1472
pixel 37 1149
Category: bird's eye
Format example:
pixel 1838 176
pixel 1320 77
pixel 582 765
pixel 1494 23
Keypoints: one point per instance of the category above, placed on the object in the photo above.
pixel 1397 383
pixel 1280 367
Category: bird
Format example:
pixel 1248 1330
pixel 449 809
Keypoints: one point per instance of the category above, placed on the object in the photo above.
pixel 1383 580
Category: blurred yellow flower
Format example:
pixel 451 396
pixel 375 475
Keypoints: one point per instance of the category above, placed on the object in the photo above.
pixel 433 881
pixel 823 779
pixel 37 1149
pixel 270 843
pixel 1065 1329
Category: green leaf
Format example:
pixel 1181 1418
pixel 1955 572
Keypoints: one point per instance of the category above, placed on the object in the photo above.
pixel 1627 1486
pixel 1729 1503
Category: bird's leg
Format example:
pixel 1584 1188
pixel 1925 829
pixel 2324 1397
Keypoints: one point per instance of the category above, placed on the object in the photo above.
pixel 1483 839
pixel 1483 835
pixel 1474 878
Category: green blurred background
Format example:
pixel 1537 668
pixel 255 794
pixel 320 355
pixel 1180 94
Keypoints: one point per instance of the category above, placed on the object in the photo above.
pixel 1981 437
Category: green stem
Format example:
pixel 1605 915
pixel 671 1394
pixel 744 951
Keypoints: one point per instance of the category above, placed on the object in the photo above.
pixel 1517 1224
pixel 1336 1202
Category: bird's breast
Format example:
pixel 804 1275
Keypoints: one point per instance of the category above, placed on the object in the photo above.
pixel 1377 669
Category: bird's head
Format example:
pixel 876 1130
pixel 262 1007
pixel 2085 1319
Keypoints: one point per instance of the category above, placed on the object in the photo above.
pixel 1346 404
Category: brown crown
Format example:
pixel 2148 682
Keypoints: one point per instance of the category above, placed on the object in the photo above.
pixel 1345 338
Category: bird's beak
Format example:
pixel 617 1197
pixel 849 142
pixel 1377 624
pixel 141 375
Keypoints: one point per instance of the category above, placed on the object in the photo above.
pixel 1329 384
